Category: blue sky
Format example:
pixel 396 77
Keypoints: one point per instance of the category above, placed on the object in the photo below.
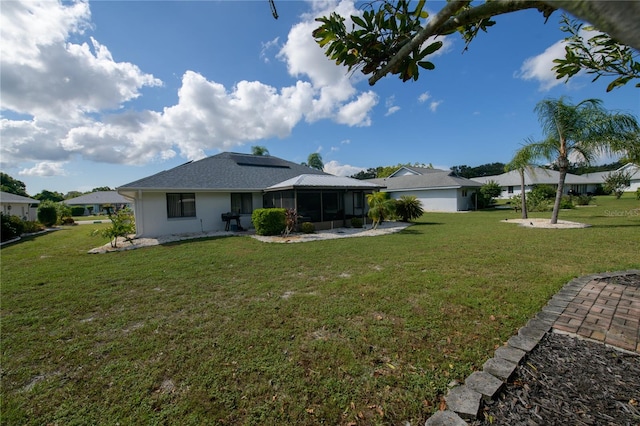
pixel 105 93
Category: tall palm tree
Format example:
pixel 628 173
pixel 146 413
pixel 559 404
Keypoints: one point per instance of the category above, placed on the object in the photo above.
pixel 581 133
pixel 520 161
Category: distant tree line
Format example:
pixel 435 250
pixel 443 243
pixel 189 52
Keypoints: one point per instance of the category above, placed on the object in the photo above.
pixel 14 186
pixel 386 171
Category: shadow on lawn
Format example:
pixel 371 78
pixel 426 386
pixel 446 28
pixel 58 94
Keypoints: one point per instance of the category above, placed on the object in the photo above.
pixel 416 228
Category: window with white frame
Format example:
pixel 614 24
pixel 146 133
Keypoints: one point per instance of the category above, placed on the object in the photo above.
pixel 181 204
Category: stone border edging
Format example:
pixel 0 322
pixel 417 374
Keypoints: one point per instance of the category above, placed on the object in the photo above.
pixel 465 401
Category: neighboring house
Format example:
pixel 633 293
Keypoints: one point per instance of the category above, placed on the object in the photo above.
pixel 632 169
pixel 511 185
pixel 193 197
pixel 437 190
pixel 97 202
pixel 17 205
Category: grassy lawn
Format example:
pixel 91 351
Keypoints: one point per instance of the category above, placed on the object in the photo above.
pixel 236 331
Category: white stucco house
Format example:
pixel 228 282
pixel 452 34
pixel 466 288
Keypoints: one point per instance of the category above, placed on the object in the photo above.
pixel 24 207
pixel 577 184
pixel 438 190
pixel 95 202
pixel 632 169
pixel 510 182
pixel 221 192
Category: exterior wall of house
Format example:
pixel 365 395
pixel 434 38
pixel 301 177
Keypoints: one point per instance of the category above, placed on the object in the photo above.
pixel 22 210
pixel 152 220
pixel 436 200
pixel 510 191
pixel 465 199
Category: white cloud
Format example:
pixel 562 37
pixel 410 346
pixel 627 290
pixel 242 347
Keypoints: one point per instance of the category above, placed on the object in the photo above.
pixel 335 168
pixel 46 76
pixel 356 113
pixel 45 168
pixel 74 94
pixel 424 97
pixel 267 47
pixel 392 110
pixel 433 106
pixel 539 68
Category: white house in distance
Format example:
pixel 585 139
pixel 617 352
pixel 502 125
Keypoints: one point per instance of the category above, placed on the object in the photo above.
pixel 221 192
pixel 437 190
pixel 95 202
pixel 17 205
pixel 578 184
pixel 511 185
pixel 632 169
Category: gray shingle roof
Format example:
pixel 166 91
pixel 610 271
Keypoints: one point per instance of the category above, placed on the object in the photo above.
pixel 224 171
pixel 7 197
pixel 433 179
pixel 323 181
pixel 533 176
pixel 98 197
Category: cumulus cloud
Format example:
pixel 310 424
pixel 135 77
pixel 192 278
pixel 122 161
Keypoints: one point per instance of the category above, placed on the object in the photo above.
pixel 539 68
pixel 46 76
pixel 335 168
pixel 45 168
pixel 75 95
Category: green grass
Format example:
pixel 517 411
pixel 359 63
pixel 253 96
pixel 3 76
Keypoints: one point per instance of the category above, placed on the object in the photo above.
pixel 236 331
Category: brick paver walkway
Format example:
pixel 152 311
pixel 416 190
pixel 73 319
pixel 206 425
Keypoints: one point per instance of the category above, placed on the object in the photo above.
pixel 605 312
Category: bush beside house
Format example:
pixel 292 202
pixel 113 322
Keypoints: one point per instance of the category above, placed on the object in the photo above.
pixel 269 221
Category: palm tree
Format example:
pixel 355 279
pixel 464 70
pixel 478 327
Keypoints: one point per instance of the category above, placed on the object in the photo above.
pixel 380 206
pixel 520 161
pixel 581 133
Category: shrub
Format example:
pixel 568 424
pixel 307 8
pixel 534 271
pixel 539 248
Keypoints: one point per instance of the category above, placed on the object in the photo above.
pixel 583 200
pixel 31 227
pixel 122 224
pixel 77 211
pixel 638 194
pixel 290 221
pixel 535 203
pixel 544 192
pixel 356 222
pixel 308 228
pixel 268 221
pixel 10 227
pixel 408 207
pixel 488 191
pixel 616 182
pixel 47 214
pixel 566 202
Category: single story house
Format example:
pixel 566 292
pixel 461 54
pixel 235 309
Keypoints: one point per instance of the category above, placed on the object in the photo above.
pixel 437 190
pixel 24 207
pixel 632 169
pixel 510 182
pixel 97 202
pixel 205 195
